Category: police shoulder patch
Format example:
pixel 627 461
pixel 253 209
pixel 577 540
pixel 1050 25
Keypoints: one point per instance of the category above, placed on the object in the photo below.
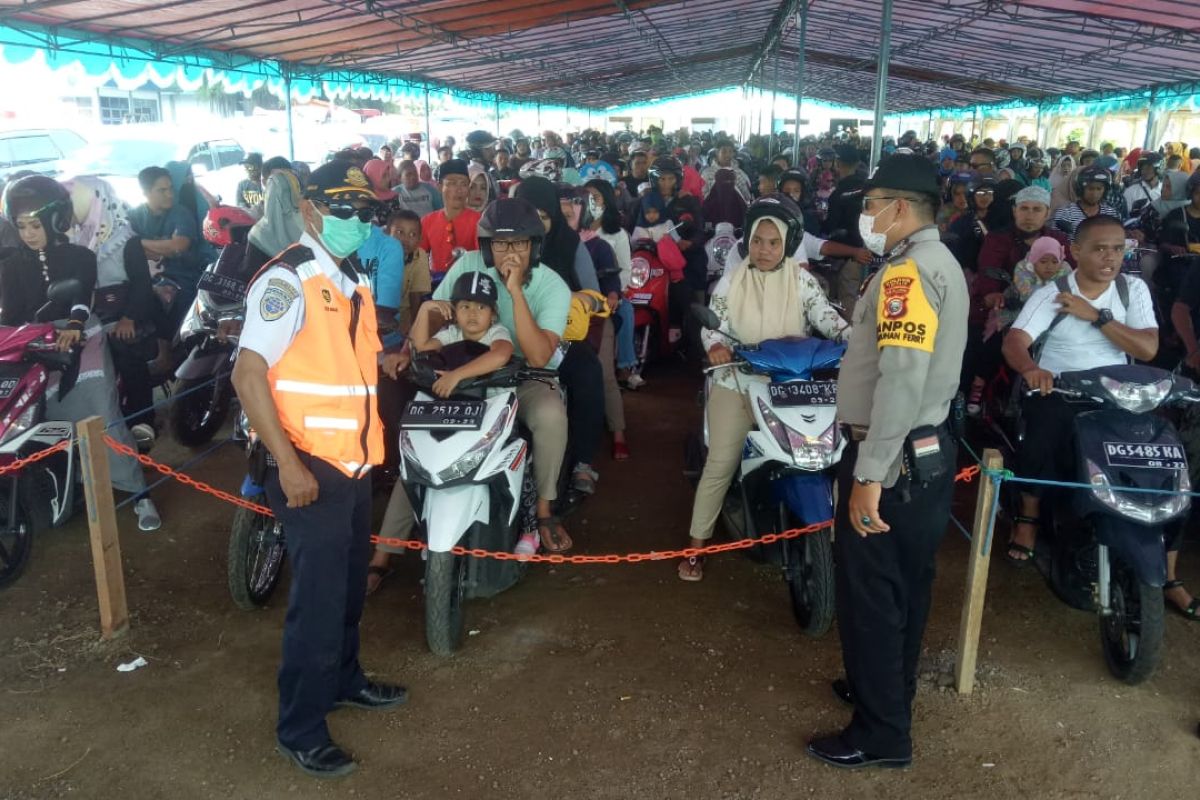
pixel 905 317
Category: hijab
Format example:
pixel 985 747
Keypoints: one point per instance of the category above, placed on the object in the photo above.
pixel 766 305
pixel 1000 214
pixel 103 226
pixel 1180 149
pixel 652 199
pixel 381 175
pixel 424 173
pixel 1177 179
pixel 1062 187
pixel 281 223
pixel 561 243
pixel 723 203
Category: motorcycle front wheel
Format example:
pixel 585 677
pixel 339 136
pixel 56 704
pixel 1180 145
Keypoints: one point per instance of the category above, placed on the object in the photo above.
pixel 445 588
pixel 809 576
pixel 16 539
pixel 257 551
pixel 1132 636
pixel 197 416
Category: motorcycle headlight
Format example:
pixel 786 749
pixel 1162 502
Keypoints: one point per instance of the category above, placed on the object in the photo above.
pixel 21 424
pixel 1137 398
pixel 639 272
pixel 811 454
pixel 469 461
pixel 1146 508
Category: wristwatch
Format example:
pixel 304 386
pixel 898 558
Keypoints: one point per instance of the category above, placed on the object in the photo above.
pixel 863 481
pixel 1104 316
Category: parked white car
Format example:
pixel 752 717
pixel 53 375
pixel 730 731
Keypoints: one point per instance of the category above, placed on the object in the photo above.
pixel 119 153
pixel 40 150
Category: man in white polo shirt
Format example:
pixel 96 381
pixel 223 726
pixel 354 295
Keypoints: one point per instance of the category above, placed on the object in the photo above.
pixel 1104 318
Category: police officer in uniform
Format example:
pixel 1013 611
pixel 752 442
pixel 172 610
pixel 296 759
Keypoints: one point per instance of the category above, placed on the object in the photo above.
pixel 306 375
pixel 896 479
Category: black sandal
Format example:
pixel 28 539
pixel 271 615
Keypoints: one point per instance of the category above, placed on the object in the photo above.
pixel 557 540
pixel 1028 552
pixel 1192 612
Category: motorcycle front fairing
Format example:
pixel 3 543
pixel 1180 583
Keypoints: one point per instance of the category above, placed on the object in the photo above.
pixel 1117 449
pixel 793 358
pixel 808 496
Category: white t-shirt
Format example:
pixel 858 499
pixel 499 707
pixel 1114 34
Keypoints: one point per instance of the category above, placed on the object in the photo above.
pixel 1141 191
pixel 452 334
pixel 1075 344
pixel 809 249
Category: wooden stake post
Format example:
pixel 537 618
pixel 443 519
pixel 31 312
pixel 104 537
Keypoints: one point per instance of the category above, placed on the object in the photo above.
pixel 977 574
pixel 102 526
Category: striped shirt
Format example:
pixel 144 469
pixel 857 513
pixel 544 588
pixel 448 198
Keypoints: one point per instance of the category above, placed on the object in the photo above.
pixel 1067 218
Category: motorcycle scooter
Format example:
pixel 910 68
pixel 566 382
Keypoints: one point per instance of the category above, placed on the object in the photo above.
pixel 785 480
pixel 1108 547
pixel 464 464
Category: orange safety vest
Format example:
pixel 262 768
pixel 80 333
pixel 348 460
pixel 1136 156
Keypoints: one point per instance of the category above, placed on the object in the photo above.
pixel 324 386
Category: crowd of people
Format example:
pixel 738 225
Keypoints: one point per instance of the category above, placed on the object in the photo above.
pixel 524 246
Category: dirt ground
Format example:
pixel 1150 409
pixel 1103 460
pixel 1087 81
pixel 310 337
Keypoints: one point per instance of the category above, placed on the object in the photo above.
pixel 593 682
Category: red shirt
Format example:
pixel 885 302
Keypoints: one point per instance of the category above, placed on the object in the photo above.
pixel 440 237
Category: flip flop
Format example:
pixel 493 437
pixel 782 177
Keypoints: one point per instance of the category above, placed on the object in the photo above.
pixel 695 569
pixel 383 572
pixel 1192 612
pixel 557 541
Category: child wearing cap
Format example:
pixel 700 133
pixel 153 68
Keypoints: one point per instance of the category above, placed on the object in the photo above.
pixel 473 307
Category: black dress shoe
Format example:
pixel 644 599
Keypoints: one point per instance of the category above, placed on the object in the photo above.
pixel 841 690
pixel 325 761
pixel 375 696
pixel 835 752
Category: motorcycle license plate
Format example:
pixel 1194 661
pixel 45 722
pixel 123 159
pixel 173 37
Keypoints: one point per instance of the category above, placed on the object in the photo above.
pixel 1145 456
pixel 223 286
pixel 641 299
pixel 8 386
pixel 803 393
pixel 428 415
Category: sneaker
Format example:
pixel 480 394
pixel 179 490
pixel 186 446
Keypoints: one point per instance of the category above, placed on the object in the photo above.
pixel 144 435
pixel 527 545
pixel 635 381
pixel 147 514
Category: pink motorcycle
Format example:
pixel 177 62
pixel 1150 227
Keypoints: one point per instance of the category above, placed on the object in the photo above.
pixel 40 495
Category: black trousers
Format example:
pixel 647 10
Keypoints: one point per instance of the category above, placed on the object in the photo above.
pixel 883 589
pixel 580 372
pixel 137 392
pixel 1048 449
pixel 329 546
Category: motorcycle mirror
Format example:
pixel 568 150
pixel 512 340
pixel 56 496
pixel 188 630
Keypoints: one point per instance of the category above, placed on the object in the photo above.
pixel 705 316
pixel 59 298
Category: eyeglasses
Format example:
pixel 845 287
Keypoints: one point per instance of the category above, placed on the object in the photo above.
pixel 343 211
pixel 988 192
pixel 509 245
pixel 866 200
pixel 981 164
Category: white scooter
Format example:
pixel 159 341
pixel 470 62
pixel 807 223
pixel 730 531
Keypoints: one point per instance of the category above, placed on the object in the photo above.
pixel 465 466
pixel 785 480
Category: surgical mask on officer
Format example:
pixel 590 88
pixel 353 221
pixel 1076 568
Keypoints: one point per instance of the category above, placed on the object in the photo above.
pixel 875 242
pixel 343 237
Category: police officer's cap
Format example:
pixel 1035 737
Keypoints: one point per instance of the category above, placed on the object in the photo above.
pixel 338 180
pixel 905 172
pixel 848 153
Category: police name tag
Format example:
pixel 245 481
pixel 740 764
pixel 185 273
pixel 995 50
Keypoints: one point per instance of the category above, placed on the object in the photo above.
pixel 803 393
pixel 1145 456
pixel 428 415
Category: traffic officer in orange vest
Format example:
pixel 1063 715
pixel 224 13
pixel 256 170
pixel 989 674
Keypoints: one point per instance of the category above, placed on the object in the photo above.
pixel 306 375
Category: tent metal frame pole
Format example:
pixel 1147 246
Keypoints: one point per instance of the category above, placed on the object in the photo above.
pixel 497 115
pixel 881 72
pixel 1151 121
pixel 287 105
pixel 428 131
pixel 774 94
pixel 803 14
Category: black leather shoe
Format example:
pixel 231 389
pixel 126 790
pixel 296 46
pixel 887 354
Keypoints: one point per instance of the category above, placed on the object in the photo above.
pixel 841 690
pixel 376 696
pixel 326 761
pixel 835 752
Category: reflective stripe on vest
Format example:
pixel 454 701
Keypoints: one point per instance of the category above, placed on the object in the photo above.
pixel 324 386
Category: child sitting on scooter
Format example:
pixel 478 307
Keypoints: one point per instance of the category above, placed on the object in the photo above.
pixel 1045 263
pixel 652 221
pixel 472 306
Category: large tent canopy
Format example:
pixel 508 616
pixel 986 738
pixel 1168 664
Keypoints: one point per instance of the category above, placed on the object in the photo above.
pixel 597 54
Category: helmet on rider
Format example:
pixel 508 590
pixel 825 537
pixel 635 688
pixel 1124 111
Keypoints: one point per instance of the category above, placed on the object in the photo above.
pixel 780 207
pixel 664 165
pixel 542 168
pixel 1151 159
pixel 477 140
pixel 510 218
pixel 220 221
pixel 793 176
pixel 1093 174
pixel 43 198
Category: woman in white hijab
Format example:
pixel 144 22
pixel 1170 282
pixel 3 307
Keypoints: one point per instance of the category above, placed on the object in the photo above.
pixel 768 296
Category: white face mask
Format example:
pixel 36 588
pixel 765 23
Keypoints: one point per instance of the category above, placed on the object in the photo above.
pixel 875 242
pixel 595 208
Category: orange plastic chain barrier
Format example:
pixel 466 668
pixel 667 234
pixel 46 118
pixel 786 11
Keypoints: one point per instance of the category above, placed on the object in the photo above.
pixel 21 463
pixel 965 475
